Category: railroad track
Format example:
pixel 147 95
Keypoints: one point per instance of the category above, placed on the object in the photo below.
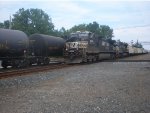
pixel 20 72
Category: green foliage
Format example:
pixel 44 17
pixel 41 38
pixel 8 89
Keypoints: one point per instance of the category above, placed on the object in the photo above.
pixel 106 32
pixel 94 28
pixel 64 33
pixel 61 33
pixel 32 21
pixel 103 31
pixel 80 27
pixel 113 42
pixel 1 25
pixel 137 44
pixel 5 24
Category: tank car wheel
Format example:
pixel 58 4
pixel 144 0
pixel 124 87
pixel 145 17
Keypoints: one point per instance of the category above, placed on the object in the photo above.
pixel 97 58
pixel 84 60
pixel 39 61
pixel 15 63
pixel 4 64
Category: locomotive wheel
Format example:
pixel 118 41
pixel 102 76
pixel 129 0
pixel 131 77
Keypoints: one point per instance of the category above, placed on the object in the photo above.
pixel 46 61
pixel 94 59
pixel 97 58
pixel 89 60
pixel 39 61
pixel 112 56
pixel 20 63
pixel 84 60
pixel 25 63
pixel 4 64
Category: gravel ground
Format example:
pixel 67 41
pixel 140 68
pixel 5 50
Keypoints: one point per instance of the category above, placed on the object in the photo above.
pixel 106 87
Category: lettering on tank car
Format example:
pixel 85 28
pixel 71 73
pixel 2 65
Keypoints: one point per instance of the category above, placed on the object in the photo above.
pixel 20 42
pixel 31 41
pixel 3 46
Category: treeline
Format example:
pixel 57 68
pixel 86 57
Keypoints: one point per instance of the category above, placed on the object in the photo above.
pixel 37 21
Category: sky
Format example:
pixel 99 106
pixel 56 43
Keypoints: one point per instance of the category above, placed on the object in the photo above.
pixel 130 20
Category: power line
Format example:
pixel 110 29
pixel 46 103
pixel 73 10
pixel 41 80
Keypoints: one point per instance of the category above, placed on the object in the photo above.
pixel 145 43
pixel 132 27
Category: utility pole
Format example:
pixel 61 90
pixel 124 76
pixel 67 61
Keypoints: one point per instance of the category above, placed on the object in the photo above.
pixel 10 22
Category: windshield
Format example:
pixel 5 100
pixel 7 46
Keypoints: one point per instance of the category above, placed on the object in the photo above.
pixel 78 37
pixel 73 39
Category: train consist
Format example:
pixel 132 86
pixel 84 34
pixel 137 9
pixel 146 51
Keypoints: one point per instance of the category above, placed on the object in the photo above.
pixel 87 47
pixel 19 50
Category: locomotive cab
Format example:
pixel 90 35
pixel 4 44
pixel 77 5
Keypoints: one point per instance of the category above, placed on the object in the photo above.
pixel 77 41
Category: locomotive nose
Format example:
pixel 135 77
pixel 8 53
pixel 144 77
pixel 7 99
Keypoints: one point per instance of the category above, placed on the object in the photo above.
pixel 71 45
pixel 74 45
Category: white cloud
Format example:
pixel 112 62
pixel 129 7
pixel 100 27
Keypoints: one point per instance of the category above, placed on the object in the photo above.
pixel 138 33
pixel 64 13
pixel 67 13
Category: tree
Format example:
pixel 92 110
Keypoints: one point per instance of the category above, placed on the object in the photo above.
pixel 1 25
pixel 80 27
pixel 106 32
pixel 137 44
pixel 32 21
pixel 5 25
pixel 94 28
pixel 103 31
pixel 64 33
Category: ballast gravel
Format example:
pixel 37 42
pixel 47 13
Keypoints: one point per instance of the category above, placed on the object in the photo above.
pixel 105 87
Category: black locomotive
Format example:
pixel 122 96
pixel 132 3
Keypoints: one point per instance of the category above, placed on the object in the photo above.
pixel 88 47
pixel 19 50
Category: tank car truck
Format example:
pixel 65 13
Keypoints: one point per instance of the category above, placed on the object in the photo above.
pixel 13 48
pixel 43 47
pixel 87 47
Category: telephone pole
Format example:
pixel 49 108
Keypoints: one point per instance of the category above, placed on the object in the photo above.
pixel 10 22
